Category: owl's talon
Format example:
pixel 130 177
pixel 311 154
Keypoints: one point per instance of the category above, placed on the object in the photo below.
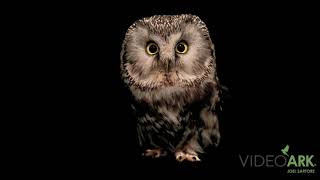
pixel 181 156
pixel 155 153
pixel 193 158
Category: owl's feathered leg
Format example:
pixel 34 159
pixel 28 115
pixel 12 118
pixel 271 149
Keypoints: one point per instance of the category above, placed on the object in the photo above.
pixel 189 156
pixel 210 134
pixel 155 153
pixel 188 148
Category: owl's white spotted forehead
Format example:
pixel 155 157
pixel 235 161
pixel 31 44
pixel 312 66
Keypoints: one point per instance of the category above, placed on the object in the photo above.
pixel 167 24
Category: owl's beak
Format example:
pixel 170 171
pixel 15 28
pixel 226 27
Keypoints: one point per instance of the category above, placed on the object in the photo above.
pixel 168 64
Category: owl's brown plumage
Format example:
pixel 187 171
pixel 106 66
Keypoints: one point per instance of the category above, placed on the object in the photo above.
pixel 168 64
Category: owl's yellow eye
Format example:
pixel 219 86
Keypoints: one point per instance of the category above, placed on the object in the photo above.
pixel 181 47
pixel 152 48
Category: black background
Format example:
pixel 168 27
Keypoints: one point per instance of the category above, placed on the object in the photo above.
pixel 266 56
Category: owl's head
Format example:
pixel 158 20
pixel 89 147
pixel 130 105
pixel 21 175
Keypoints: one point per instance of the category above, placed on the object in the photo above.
pixel 167 50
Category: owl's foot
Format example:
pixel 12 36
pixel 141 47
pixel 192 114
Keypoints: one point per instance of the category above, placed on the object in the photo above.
pixel 181 156
pixel 154 153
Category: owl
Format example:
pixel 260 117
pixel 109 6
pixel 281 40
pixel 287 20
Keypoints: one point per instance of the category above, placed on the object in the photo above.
pixel 168 64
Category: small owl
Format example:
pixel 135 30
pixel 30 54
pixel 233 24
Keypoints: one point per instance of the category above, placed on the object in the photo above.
pixel 168 63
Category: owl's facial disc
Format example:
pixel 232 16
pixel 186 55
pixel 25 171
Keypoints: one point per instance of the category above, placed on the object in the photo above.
pixel 163 51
